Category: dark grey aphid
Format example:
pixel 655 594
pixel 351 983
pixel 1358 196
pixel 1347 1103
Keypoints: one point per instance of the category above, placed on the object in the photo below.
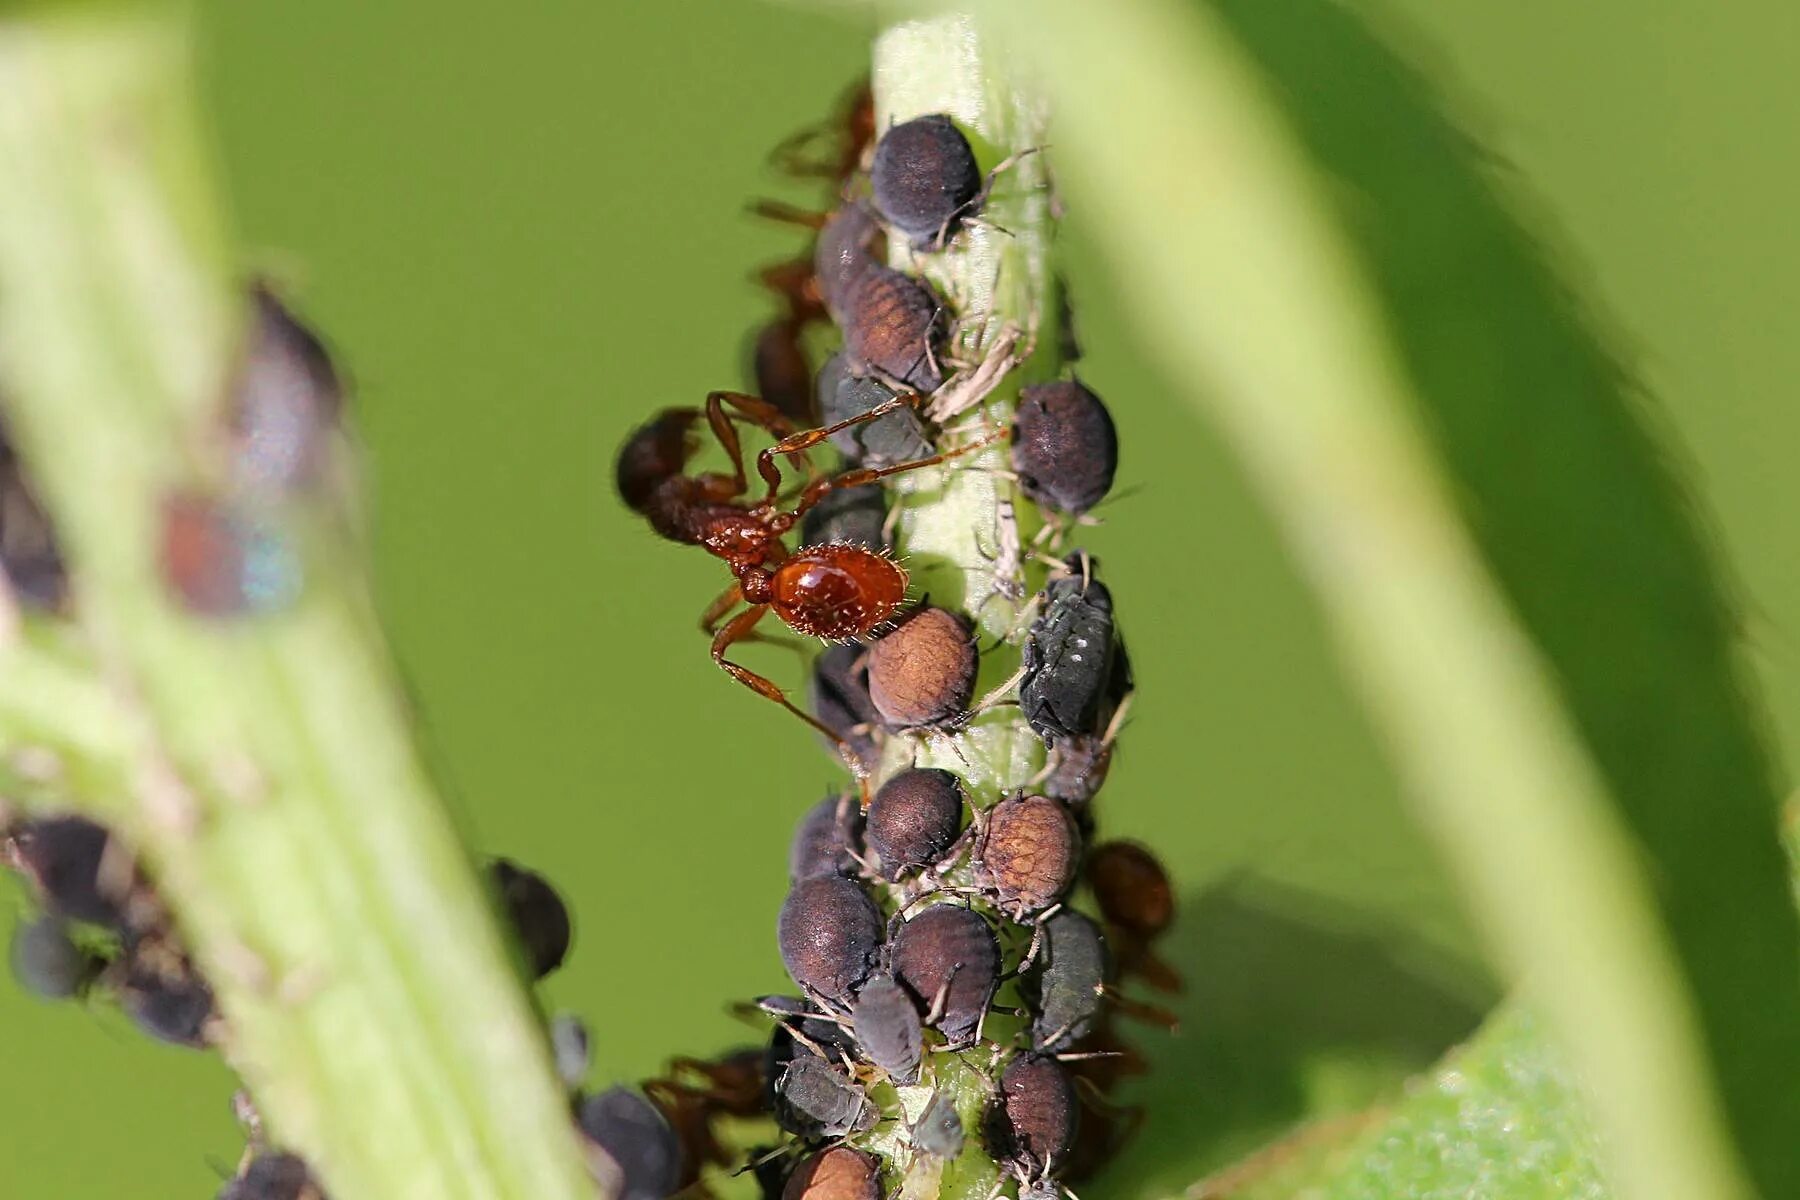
pixel 286 400
pixel 939 1131
pixel 815 1099
pixel 47 962
pixel 887 1025
pixel 569 1048
pixel 897 437
pixel 1070 656
pixel 914 819
pixel 785 1044
pixel 841 256
pixel 636 1139
pixel 838 689
pixel 1064 446
pixel 855 515
pixel 1070 974
pixel 1031 1125
pixel 538 917
pixel 825 841
pixel 67 858
pixel 278 1176
pixel 924 178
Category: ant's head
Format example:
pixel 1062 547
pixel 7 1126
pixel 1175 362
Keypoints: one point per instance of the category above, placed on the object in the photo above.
pixel 836 591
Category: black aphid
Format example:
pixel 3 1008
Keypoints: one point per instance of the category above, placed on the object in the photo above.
pixel 913 820
pixel 939 1131
pixel 539 918
pixel 641 1151
pixel 47 962
pixel 278 1176
pixel 1064 446
pixel 896 437
pixel 924 178
pixel 1070 660
pixel 886 1022
pixel 826 839
pixel 814 1099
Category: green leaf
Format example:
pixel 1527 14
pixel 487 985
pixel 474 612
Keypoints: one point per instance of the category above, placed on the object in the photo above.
pixel 1515 580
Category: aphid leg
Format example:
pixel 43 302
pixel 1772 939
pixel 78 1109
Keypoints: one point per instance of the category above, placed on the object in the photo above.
pixel 741 628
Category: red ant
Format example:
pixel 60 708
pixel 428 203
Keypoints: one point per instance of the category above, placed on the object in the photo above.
pixel 837 591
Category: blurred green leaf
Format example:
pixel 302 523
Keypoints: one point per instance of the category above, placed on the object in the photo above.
pixel 1514 576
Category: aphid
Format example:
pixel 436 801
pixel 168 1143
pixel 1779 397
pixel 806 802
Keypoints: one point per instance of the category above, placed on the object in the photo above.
pixel 830 932
pixel 835 592
pixel 164 995
pixel 223 559
pixel 1069 660
pixel 781 370
pixel 854 515
pixel 1069 981
pixel 887 1026
pixel 78 870
pixel 838 1173
pixel 924 179
pixel 939 1131
pixel 923 671
pixel 1064 447
pixel 636 1152
pixel 814 1099
pixel 277 1176
pixel 900 436
pixel 285 400
pixel 47 962
pixel 913 820
pixel 894 326
pixel 537 915
pixel 1028 852
pixel 826 839
pixel 946 956
pixel 1031 1125
pixel 838 688
pixel 801 1025
pixel 842 256
pixel 29 554
pixel 1131 887
pixel 569 1048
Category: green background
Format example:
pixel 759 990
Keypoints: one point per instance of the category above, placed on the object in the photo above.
pixel 522 231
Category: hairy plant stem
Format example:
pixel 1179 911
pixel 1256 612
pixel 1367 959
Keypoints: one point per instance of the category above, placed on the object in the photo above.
pixel 997 280
pixel 262 768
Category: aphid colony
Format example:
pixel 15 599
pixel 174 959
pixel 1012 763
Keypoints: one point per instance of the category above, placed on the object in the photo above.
pixel 951 1001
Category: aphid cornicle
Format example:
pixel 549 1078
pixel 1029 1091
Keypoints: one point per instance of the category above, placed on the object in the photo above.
pixel 948 959
pixel 913 820
pixel 1070 660
pixel 1028 852
pixel 1064 446
pixel 537 915
pixel 887 1026
pixel 924 179
pixel 1031 1124
pixel 922 672
pixel 837 1173
pixel 826 839
pixel 829 932
pixel 633 1147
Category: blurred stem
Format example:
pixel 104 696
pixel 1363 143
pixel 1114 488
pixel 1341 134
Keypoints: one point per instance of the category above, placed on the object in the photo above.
pixel 262 768
pixel 997 279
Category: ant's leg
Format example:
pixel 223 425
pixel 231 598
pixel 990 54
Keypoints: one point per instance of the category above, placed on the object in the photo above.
pixel 726 600
pixel 863 476
pixel 788 214
pixel 799 443
pixel 765 416
pixel 742 628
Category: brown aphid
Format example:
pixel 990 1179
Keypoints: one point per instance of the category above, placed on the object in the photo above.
pixel 829 932
pixel 924 179
pixel 914 819
pixel 894 325
pixel 1064 446
pixel 839 1173
pixel 781 369
pixel 843 256
pixel 826 839
pixel 923 671
pixel 948 959
pixel 1028 852
pixel 1131 887
pixel 1031 1125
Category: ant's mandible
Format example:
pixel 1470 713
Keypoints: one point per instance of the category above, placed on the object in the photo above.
pixel 838 591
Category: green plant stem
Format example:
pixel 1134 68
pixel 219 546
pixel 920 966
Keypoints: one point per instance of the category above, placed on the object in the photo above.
pixel 997 280
pixel 262 768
